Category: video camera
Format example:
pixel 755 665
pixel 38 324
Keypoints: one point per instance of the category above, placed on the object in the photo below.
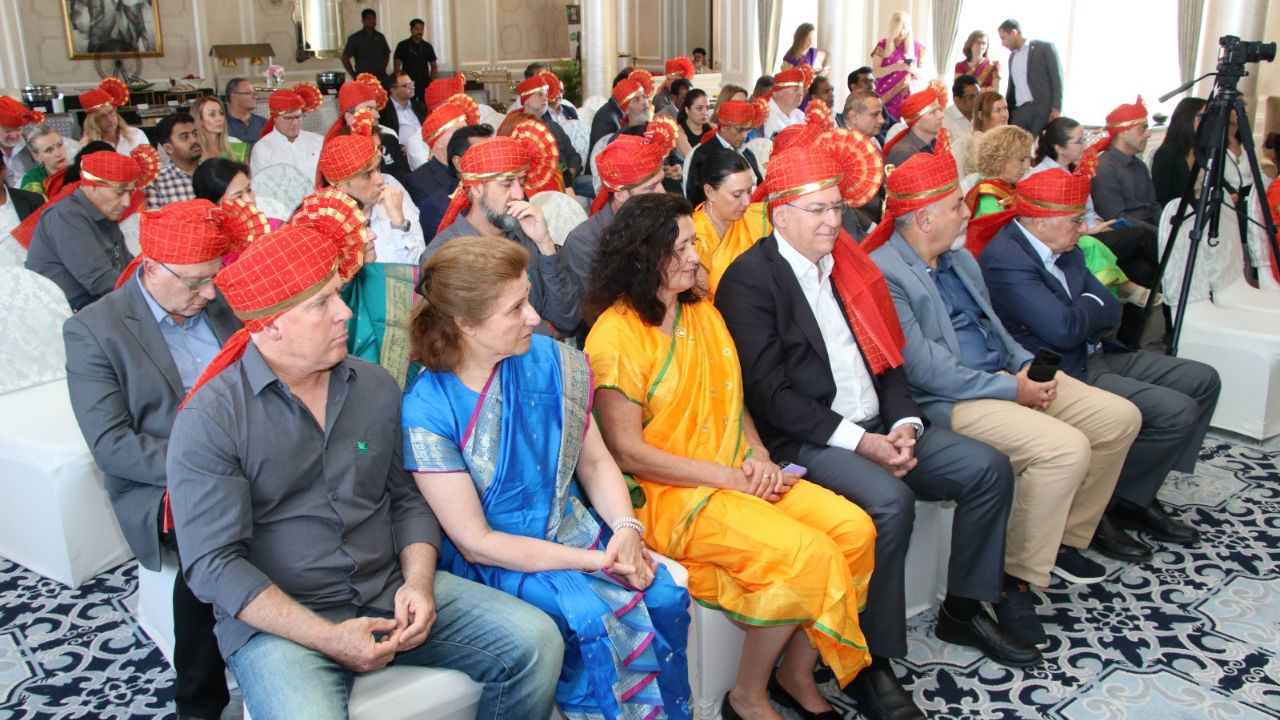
pixel 1235 51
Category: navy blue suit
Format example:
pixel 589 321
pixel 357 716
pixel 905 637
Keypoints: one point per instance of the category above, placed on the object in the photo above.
pixel 1176 396
pixel 1035 308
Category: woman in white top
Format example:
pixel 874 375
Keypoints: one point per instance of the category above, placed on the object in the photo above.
pixel 107 125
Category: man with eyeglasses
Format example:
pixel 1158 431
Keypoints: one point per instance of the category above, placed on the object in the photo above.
pixel 131 358
pixel 284 142
pixel 822 370
pixel 922 112
pixel 403 113
pixel 242 123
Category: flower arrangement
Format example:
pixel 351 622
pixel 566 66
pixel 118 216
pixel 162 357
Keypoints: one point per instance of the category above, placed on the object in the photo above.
pixel 275 74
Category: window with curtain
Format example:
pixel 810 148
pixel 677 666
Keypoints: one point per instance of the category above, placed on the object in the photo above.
pixel 1111 50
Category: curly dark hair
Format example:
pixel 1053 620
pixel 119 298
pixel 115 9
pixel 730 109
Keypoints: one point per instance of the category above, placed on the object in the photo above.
pixel 633 254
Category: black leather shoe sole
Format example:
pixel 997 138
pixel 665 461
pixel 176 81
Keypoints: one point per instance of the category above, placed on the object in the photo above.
pixel 1138 552
pixel 1006 651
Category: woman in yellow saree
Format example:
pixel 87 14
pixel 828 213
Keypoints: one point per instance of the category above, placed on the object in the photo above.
pixel 786 558
pixel 725 221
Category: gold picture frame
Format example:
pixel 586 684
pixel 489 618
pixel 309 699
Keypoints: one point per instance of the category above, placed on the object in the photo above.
pixel 112 28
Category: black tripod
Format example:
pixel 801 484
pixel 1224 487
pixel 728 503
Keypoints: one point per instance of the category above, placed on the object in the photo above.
pixel 1211 145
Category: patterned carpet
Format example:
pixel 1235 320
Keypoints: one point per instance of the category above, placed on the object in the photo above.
pixel 1195 634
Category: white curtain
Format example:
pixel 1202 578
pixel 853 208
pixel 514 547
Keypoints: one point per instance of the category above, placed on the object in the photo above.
pixel 769 22
pixel 1190 19
pixel 946 18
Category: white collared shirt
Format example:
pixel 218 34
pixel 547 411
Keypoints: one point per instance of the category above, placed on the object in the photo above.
pixel 1050 260
pixel 394 246
pixel 856 400
pixel 1018 71
pixel 303 152
pixel 688 162
pixel 410 125
pixel 779 120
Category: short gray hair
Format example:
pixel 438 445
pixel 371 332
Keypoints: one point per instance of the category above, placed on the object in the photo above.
pixel 902 221
pixel 857 100
pixel 38 130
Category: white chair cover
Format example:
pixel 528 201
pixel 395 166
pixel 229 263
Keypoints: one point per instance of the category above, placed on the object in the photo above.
pixel 484 109
pixel 11 253
pixel 130 228
pixel 562 212
pixel 586 115
pixel 491 117
pixel 32 310
pixel 594 103
pixel 579 132
pixel 283 183
pixel 762 148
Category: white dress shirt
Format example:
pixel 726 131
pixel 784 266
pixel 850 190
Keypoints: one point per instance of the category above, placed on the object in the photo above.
pixel 779 120
pixel 1018 72
pixel 276 149
pixel 688 162
pixel 960 128
pixel 130 140
pixel 856 400
pixel 415 148
pixel 1050 260
pixel 410 125
pixel 394 246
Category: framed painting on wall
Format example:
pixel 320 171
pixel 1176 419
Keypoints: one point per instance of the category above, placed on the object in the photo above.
pixel 112 28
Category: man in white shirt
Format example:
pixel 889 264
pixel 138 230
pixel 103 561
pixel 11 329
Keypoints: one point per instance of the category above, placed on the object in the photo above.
pixel 958 117
pixel 822 370
pixel 1035 79
pixel 285 142
pixel 403 113
pixel 351 164
pixel 784 101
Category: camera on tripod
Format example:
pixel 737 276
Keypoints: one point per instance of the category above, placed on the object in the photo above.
pixel 1235 51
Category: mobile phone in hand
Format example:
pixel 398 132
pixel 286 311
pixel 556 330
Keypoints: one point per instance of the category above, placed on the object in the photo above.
pixel 1044 365
pixel 793 468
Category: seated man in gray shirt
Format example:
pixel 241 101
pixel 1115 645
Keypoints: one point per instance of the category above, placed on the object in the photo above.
pixel 1122 188
pixel 490 202
pixel 77 243
pixel 923 114
pixel 300 526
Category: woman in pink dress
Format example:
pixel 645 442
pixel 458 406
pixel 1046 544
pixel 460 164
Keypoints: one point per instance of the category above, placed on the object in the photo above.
pixel 901 58
pixel 977 64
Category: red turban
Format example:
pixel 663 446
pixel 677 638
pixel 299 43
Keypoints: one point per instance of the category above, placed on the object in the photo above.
pixel 1048 193
pixel 630 160
pixel 195 231
pixel 346 156
pixel 14 114
pixel 1126 116
pixel 644 77
pixel 916 106
pixel 497 158
pixel 110 92
pixel 544 175
pixel 337 216
pixel 1273 202
pixel 625 91
pixel 442 89
pixel 555 90
pixel 107 168
pixel 922 180
pixel 744 115
pixel 450 114
pixel 800 76
pixel 532 85
pixel 805 169
pixel 379 93
pixel 304 96
pixel 353 93
pixel 682 65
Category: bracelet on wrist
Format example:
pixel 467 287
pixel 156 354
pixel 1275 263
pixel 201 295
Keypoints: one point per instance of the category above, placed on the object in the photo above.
pixel 628 522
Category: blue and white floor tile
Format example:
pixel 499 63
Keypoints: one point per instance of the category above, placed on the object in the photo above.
pixel 1193 635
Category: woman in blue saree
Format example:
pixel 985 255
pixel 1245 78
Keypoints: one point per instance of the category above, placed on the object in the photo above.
pixel 498 434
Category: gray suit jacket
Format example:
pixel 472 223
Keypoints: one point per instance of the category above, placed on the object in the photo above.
pixel 125 391
pixel 935 372
pixel 1044 75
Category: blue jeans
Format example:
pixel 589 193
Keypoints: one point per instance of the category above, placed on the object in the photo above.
pixel 511 647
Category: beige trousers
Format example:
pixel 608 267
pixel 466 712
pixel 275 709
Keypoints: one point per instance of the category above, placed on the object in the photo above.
pixel 1067 460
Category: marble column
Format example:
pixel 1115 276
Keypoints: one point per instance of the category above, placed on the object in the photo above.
pixel 599 46
pixel 439 32
pixel 840 33
pixel 739 50
pixel 626 28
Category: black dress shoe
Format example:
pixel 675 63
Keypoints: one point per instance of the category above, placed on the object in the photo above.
pixel 881 697
pixel 780 695
pixel 1154 521
pixel 1116 544
pixel 983 632
pixel 726 710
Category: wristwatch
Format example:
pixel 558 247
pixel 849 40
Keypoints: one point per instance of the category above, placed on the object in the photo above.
pixel 403 227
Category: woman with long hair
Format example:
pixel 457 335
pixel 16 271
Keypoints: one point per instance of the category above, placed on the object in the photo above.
pixel 1175 161
pixel 500 438
pixel 804 50
pixel 896 62
pixel 787 559
pixel 695 112
pixel 102 120
pixel 976 62
pixel 211 130
pixel 989 111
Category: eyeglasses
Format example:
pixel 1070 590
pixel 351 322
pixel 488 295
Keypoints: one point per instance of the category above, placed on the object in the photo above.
pixel 191 283
pixel 405 85
pixel 838 209
pixel 243 92
pixel 290 118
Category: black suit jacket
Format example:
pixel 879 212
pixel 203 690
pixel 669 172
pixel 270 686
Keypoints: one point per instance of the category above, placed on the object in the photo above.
pixel 607 121
pixel 25 202
pixel 786 374
pixel 387 118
